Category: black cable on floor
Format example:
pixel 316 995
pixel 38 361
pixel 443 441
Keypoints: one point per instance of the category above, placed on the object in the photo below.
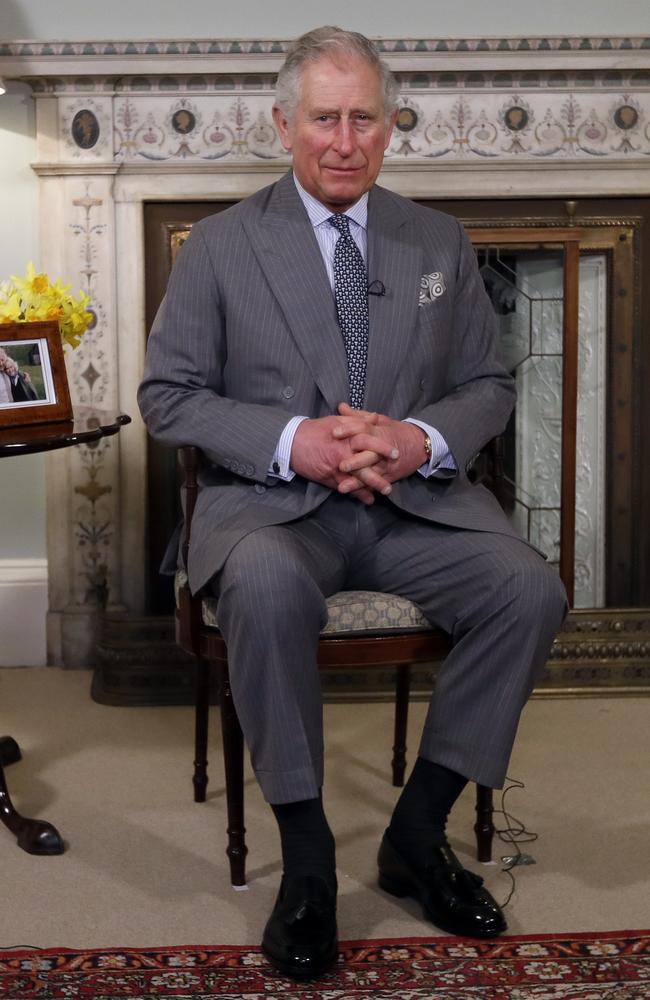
pixel 21 947
pixel 514 834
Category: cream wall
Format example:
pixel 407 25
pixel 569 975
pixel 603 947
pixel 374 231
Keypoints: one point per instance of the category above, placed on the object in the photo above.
pixel 22 500
pixel 22 504
pixel 83 19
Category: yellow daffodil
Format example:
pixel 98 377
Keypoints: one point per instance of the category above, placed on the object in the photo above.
pixel 34 298
pixel 32 284
pixel 10 307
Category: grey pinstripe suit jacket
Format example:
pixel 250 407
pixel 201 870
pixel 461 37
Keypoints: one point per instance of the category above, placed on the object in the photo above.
pixel 247 336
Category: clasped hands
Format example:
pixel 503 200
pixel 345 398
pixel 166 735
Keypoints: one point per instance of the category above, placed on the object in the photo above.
pixel 357 452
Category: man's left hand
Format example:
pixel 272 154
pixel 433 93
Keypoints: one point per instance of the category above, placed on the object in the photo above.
pixel 407 439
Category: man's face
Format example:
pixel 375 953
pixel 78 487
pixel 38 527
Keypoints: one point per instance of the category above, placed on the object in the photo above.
pixel 338 134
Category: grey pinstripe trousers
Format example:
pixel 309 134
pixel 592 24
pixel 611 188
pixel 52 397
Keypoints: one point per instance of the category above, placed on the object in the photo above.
pixel 499 600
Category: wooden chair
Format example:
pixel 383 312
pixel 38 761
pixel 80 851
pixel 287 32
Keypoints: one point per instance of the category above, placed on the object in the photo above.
pixel 396 636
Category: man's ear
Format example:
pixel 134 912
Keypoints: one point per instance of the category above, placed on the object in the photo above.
pixel 282 126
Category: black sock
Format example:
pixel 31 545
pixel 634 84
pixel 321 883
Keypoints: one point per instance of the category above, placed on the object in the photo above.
pixel 307 842
pixel 420 816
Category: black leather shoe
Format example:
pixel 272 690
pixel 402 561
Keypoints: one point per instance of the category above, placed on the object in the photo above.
pixel 452 898
pixel 300 936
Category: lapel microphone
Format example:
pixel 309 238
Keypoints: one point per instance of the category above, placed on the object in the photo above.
pixel 376 287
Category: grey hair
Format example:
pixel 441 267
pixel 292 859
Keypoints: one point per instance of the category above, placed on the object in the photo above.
pixel 330 42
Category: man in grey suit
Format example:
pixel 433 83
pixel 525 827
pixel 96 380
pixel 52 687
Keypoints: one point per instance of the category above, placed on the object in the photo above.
pixel 321 291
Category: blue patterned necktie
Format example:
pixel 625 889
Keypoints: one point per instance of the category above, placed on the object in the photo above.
pixel 351 292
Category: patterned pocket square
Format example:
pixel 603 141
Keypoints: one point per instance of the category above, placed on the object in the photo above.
pixel 432 286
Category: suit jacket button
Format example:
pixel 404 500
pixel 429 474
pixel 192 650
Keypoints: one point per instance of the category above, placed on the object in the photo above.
pixel 288 391
pixel 423 383
pixel 259 488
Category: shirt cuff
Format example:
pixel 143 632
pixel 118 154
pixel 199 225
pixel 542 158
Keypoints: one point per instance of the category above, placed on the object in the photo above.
pixel 441 464
pixel 280 463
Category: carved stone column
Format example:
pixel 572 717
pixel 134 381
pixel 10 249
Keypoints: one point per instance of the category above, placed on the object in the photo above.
pixel 77 232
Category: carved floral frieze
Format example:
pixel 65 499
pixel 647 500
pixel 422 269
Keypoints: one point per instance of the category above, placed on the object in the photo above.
pixel 207 129
pixel 502 126
pixel 509 126
pixel 495 99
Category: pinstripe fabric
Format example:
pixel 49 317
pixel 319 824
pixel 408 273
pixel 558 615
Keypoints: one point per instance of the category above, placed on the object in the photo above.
pixel 499 600
pixel 246 337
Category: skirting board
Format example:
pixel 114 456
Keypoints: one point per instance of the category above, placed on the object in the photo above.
pixel 23 608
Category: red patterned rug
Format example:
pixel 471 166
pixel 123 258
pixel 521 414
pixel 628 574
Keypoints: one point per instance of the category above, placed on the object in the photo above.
pixel 612 966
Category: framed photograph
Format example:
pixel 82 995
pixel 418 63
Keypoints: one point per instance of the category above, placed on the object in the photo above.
pixel 33 380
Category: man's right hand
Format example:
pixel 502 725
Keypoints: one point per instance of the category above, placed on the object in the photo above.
pixel 316 455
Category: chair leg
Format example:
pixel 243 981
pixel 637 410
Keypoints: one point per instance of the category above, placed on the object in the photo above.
pixel 202 711
pixel 402 690
pixel 484 826
pixel 233 759
pixel 9 751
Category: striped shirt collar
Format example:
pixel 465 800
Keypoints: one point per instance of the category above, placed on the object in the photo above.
pixel 318 213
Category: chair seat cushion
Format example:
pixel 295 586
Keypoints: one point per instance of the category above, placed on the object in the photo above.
pixel 350 612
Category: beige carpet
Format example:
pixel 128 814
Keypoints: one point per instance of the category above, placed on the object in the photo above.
pixel 145 865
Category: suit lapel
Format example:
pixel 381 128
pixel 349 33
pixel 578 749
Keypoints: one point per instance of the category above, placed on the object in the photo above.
pixel 288 253
pixel 395 258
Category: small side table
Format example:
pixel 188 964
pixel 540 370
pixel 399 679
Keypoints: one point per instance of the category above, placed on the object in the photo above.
pixel 33 835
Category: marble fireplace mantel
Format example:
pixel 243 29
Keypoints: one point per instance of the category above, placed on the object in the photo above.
pixel 123 123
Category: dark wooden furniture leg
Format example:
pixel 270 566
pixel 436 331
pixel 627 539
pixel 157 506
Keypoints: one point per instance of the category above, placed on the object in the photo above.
pixel 9 751
pixel 200 777
pixel 233 754
pixel 402 691
pixel 34 835
pixel 484 826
